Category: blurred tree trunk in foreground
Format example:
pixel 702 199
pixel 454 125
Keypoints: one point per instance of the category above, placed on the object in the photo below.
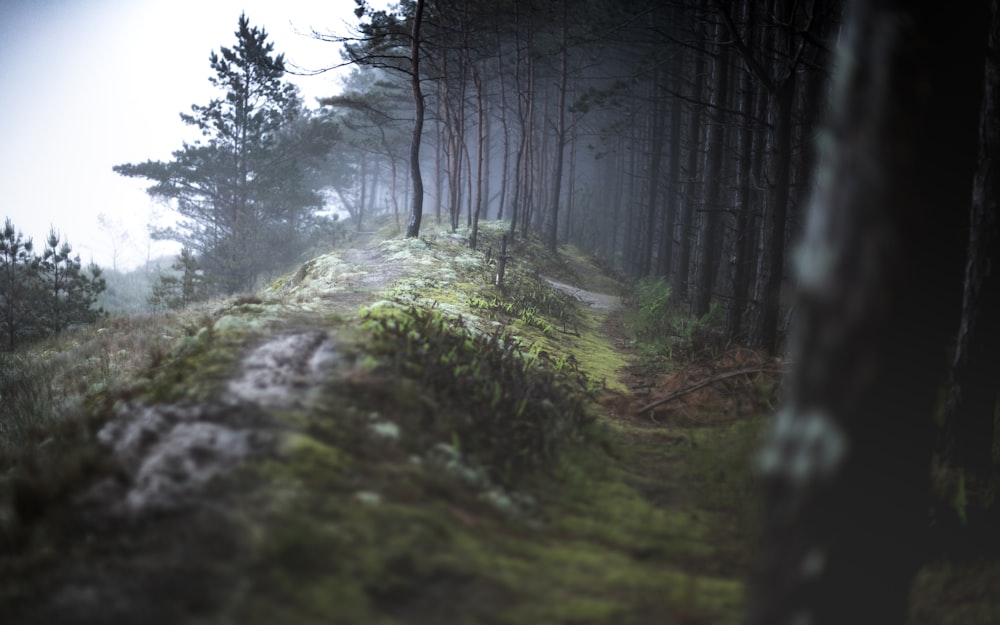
pixel 846 464
pixel 976 370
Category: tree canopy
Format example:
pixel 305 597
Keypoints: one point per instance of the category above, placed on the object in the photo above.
pixel 244 194
pixel 43 295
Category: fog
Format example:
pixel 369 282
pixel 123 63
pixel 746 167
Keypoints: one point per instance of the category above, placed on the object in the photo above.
pixel 89 84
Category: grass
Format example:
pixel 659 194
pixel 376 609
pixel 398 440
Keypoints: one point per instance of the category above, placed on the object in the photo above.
pixel 452 468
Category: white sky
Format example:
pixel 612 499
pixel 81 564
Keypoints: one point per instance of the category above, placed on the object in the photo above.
pixel 88 84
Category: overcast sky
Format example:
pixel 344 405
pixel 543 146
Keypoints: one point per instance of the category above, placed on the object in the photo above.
pixel 88 84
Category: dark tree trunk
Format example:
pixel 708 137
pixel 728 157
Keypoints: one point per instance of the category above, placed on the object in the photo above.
pixel 657 122
pixel 525 97
pixel 759 253
pixel 673 173
pixel 691 188
pixel 505 169
pixel 777 213
pixel 845 467
pixel 480 155
pixel 560 148
pixel 743 239
pixel 708 260
pixel 416 214
pixel 631 228
pixel 972 398
pixel 571 188
pixel 439 166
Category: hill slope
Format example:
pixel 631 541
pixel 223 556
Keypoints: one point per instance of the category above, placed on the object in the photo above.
pixel 382 436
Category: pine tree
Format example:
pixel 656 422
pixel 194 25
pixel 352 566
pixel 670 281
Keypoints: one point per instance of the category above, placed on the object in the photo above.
pixel 43 295
pixel 18 267
pixel 67 293
pixel 185 286
pixel 246 179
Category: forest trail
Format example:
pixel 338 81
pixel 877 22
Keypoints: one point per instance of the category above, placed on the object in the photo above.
pixel 273 466
pixel 604 302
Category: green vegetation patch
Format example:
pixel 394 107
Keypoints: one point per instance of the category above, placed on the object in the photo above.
pixel 508 409
pixel 662 331
pixel 352 527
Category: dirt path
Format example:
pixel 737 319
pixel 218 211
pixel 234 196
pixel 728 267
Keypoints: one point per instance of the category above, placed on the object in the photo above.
pixel 596 301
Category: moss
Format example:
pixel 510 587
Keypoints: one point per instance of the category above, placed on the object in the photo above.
pixel 196 368
pixel 315 464
pixel 346 524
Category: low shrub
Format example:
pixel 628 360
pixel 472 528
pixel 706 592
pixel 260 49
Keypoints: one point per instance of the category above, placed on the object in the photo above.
pixel 514 408
pixel 661 327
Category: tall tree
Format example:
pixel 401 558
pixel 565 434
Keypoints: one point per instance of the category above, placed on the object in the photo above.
pixel 692 186
pixel 67 293
pixel 18 275
pixel 417 209
pixel 710 250
pixel 972 398
pixel 43 295
pixel 560 131
pixel 246 180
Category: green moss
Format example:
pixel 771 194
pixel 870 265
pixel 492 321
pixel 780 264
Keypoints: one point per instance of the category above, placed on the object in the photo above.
pixel 315 464
pixel 563 520
pixel 196 368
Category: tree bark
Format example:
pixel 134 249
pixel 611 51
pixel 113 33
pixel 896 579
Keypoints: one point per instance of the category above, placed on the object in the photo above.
pixel 845 466
pixel 972 398
pixel 657 133
pixel 417 211
pixel 481 154
pixel 692 192
pixel 673 172
pixel 708 261
pixel 743 237
pixel 560 148
pixel 505 169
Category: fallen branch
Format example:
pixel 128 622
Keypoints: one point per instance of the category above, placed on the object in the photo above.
pixel 715 378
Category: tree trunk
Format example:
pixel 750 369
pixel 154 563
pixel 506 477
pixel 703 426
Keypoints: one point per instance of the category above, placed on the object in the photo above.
pixel 657 132
pixel 743 237
pixel 571 189
pixel 759 251
pixel 416 214
pixel 845 467
pixel 708 261
pixel 777 213
pixel 972 398
pixel 560 149
pixel 691 187
pixel 481 155
pixel 505 173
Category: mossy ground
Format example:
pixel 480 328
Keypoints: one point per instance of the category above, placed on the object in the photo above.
pixel 382 499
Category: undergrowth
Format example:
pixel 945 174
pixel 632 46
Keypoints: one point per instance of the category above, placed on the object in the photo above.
pixel 525 295
pixel 660 328
pixel 24 397
pixel 509 409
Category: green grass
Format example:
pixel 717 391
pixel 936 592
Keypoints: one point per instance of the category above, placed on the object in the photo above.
pixel 453 467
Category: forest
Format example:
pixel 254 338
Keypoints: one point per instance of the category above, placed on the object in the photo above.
pixel 695 300
pixel 674 140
